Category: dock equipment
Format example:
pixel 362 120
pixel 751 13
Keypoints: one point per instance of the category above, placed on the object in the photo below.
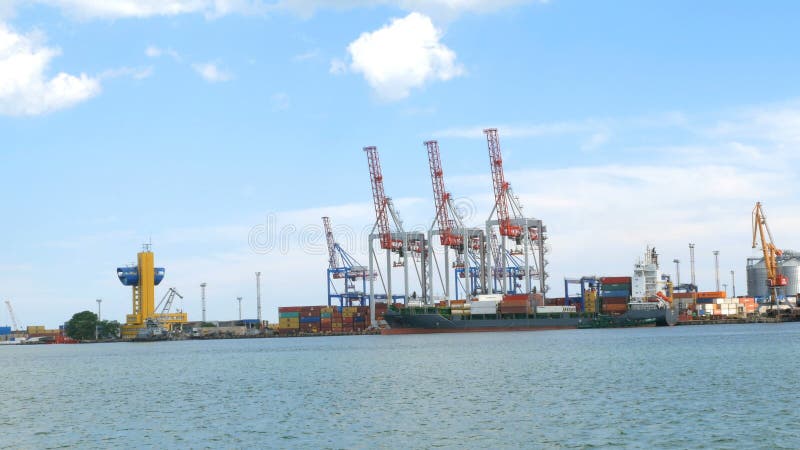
pixel 761 232
pixel 469 244
pixel 343 266
pixel 143 278
pixel 528 234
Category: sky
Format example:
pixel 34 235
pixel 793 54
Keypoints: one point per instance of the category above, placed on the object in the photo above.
pixel 221 131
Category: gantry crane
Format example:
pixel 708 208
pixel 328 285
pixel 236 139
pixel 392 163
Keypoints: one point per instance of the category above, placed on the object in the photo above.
pixel 11 315
pixel 342 266
pixel 453 235
pixel 408 245
pixel 761 232
pixel 527 233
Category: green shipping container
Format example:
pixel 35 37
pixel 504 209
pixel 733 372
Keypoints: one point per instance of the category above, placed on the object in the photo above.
pixel 290 315
pixel 616 287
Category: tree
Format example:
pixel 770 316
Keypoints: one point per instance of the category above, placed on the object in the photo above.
pixel 82 326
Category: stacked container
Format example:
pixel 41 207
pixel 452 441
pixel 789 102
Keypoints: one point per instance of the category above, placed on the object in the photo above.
pixel 516 304
pixel 460 308
pixel 615 292
pixel 289 319
pixel 484 307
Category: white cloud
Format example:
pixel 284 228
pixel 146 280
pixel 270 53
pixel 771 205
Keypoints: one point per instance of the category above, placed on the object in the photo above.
pixel 338 67
pixel 132 72
pixel 311 54
pixel 156 52
pixel 403 55
pixel 439 8
pixel 25 89
pixel 211 73
pixel 280 101
pixel 113 9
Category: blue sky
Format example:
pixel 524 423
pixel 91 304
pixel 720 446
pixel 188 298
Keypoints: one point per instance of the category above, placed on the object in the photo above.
pixel 623 124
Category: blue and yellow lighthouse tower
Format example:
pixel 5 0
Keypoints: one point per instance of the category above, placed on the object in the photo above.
pixel 143 278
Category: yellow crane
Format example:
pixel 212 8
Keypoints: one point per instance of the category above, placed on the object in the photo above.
pixel 771 253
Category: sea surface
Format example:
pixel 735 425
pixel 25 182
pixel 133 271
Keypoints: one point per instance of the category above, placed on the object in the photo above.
pixel 723 386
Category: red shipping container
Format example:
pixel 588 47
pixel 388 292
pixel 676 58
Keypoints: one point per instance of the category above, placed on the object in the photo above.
pixel 615 280
pixel 614 300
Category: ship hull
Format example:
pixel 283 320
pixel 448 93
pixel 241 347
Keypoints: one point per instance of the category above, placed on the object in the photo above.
pixel 433 322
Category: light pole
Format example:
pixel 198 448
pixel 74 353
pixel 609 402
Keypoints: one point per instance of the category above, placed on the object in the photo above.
pixel 733 284
pixel 716 267
pixel 725 288
pixel 97 324
pixel 203 299
pixel 258 297
pixel 677 271
pixel 691 263
pixel 239 299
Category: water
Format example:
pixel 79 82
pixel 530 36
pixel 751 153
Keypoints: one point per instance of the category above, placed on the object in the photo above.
pixel 726 386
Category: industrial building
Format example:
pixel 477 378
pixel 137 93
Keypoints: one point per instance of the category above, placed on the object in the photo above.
pixel 145 319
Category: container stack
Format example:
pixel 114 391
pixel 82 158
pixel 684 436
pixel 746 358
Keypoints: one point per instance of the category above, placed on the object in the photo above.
pixel 485 307
pixel 615 292
pixel 289 319
pixel 327 319
pixel 749 304
pixel 516 304
pixel 310 319
pixel 460 308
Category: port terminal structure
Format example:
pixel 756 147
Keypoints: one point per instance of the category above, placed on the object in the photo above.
pixel 407 246
pixel 143 278
pixel 467 244
pixel 343 266
pixel 528 235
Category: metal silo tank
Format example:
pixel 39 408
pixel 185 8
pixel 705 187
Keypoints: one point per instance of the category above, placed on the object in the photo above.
pixel 790 268
pixel 756 278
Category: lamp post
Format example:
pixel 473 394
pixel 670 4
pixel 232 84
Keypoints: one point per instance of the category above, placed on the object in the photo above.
pixel 239 299
pixel 733 284
pixel 716 267
pixel 677 271
pixel 97 324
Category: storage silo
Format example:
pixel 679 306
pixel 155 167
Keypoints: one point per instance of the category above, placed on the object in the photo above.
pixel 788 265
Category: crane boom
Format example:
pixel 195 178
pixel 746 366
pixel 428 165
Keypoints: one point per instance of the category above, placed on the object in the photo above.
pixel 441 197
pixel 333 258
pixel 11 314
pixel 762 232
pixel 500 185
pixel 381 202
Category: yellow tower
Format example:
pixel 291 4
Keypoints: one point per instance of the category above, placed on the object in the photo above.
pixel 143 278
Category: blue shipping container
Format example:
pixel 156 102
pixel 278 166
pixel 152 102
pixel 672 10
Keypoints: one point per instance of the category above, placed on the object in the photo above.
pixel 5 331
pixel 358 319
pixel 705 301
pixel 615 293
pixel 309 320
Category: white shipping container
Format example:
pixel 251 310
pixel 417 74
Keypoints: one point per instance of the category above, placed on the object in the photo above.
pixel 497 298
pixel 555 309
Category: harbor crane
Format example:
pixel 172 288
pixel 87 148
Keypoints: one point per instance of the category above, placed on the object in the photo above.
pixel 453 235
pixel 527 233
pixel 761 232
pixel 343 266
pixel 407 245
pixel 11 315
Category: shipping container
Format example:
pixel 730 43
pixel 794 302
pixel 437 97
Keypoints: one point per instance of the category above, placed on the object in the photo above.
pixel 605 294
pixel 289 315
pixel 712 295
pixel 616 287
pixel 614 300
pixel 616 280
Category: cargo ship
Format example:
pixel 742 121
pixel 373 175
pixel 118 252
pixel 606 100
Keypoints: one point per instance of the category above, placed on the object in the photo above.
pixel 606 302
pixel 442 320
